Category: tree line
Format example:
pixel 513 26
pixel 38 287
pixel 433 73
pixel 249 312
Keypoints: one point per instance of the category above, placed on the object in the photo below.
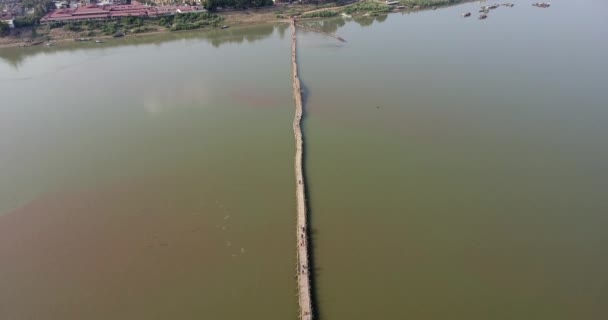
pixel 212 5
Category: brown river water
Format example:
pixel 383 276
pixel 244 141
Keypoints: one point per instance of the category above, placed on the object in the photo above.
pixel 457 169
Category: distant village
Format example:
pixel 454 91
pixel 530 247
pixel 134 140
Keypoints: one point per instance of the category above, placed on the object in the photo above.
pixel 63 11
pixel 108 10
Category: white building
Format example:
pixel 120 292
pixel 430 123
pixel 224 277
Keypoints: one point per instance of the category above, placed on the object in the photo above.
pixel 8 19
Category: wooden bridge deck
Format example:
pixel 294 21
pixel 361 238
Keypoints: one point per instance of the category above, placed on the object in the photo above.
pixel 304 294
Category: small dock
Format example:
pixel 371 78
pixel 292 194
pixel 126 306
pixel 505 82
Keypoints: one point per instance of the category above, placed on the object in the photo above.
pixel 303 269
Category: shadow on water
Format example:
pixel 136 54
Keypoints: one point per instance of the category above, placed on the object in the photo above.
pixel 332 25
pixel 216 37
pixel 366 21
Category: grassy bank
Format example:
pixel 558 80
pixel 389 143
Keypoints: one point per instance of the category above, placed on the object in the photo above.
pixel 376 7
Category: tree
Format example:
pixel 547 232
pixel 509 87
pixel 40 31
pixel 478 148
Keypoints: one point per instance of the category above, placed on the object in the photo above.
pixel 211 5
pixel 48 6
pixel 4 28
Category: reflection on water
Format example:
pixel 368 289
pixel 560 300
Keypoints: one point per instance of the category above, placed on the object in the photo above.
pixel 148 178
pixel 217 37
pixel 459 167
pixel 332 25
pixel 368 21
pixel 191 93
pixel 458 170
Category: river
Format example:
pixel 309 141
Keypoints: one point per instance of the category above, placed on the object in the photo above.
pixel 457 168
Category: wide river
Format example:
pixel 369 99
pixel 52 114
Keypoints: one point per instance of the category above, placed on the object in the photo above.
pixel 457 169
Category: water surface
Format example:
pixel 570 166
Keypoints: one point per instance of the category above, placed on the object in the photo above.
pixel 148 179
pixel 459 168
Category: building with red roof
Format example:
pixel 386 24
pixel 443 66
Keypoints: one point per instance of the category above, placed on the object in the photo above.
pixel 109 12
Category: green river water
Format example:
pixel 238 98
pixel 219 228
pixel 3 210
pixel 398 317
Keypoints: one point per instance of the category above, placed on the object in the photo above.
pixel 457 169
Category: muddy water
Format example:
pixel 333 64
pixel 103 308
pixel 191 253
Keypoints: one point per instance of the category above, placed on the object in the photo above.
pixel 150 179
pixel 458 168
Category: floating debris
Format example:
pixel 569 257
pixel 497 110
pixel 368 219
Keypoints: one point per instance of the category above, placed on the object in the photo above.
pixel 483 16
pixel 228 243
pixel 227 217
pixel 242 250
pixel 510 5
pixel 541 4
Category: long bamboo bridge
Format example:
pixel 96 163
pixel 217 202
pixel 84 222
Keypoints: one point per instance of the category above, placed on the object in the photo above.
pixel 303 269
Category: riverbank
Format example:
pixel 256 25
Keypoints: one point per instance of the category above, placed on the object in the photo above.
pixel 280 13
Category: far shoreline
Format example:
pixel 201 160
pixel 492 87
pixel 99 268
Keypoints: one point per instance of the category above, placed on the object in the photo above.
pixel 233 19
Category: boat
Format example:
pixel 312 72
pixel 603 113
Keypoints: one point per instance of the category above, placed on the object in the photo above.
pixel 98 41
pixel 224 27
pixel 466 14
pixel 48 44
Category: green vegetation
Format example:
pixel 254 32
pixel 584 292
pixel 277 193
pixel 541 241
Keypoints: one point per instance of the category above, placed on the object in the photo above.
pixel 4 28
pixel 428 3
pixel 72 27
pixel 329 5
pixel 320 14
pixel 26 21
pixel 188 21
pixel 41 7
pixel 143 29
pixel 212 5
pixel 367 6
pixel 376 8
pixel 185 21
pixel 110 28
